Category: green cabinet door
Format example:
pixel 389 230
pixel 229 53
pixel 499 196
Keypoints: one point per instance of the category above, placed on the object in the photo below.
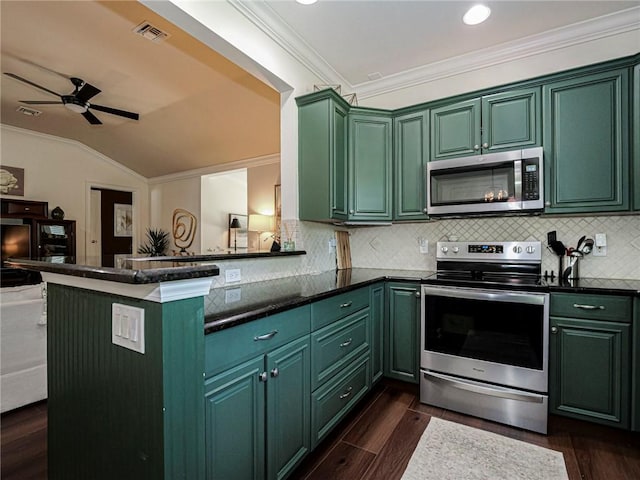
pixel 376 314
pixel 370 173
pixel 411 154
pixel 590 370
pixel 511 120
pixel 402 332
pixel 322 156
pixel 288 407
pixel 455 130
pixel 586 143
pixel 635 368
pixel 235 421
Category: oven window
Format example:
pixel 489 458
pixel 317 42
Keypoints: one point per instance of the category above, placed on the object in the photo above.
pixel 478 185
pixel 500 332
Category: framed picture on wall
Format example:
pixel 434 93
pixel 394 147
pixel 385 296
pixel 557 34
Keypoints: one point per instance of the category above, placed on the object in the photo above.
pixel 122 220
pixel 12 181
pixel 238 237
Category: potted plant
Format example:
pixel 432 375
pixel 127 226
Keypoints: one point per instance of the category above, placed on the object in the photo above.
pixel 157 243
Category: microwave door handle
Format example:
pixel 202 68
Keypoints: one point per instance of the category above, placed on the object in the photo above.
pixel 517 180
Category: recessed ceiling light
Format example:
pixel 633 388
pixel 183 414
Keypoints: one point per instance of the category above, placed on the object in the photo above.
pixel 306 2
pixel 476 14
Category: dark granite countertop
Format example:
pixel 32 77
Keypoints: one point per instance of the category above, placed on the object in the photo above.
pixel 234 305
pixel 138 269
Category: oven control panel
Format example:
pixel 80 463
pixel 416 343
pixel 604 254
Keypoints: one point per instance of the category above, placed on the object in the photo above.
pixel 490 251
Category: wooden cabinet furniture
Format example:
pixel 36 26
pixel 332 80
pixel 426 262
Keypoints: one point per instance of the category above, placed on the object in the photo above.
pixel 53 238
pixel 635 369
pixel 586 143
pixel 257 394
pixel 11 208
pixel 635 146
pixel 491 123
pixel 590 357
pixel 402 330
pixel 410 157
pixel 377 315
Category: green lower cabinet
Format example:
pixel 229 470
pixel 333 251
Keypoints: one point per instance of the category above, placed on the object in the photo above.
pixel 589 375
pixel 258 415
pixel 635 382
pixel 586 143
pixel 235 423
pixel 401 332
pixel 376 313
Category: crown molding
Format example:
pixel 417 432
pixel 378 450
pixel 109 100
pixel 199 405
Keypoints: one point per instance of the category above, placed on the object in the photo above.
pixel 77 144
pixel 222 167
pixel 267 20
pixel 560 38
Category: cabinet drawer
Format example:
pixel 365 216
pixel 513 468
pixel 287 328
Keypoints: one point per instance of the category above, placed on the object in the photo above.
pixel 231 346
pixel 331 309
pixel 331 402
pixel 336 345
pixel 593 307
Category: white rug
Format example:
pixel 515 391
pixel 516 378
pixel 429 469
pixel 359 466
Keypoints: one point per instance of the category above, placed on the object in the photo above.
pixel 450 451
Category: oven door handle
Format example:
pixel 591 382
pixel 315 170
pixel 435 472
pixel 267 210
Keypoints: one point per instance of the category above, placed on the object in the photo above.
pixel 491 295
pixel 483 389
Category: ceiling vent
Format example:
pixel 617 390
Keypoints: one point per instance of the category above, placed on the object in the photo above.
pixel 28 111
pixel 150 32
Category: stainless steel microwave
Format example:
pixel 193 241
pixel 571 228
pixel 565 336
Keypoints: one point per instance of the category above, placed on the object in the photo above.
pixel 508 182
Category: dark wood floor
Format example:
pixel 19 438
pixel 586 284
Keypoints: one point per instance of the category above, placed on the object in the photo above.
pixel 374 442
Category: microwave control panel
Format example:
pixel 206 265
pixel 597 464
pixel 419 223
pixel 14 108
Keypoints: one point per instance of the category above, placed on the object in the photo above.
pixel 530 179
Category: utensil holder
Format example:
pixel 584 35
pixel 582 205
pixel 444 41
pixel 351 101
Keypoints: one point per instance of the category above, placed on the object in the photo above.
pixel 571 266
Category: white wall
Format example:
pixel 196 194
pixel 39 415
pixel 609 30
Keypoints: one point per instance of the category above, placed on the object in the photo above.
pixel 61 172
pixel 222 194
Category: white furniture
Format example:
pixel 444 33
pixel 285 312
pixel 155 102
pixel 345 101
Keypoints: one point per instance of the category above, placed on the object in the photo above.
pixel 23 346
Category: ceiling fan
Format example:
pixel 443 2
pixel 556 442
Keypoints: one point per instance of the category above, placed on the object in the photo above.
pixel 77 101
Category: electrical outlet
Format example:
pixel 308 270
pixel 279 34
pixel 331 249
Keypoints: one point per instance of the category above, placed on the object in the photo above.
pixel 232 275
pixel 424 245
pixel 232 295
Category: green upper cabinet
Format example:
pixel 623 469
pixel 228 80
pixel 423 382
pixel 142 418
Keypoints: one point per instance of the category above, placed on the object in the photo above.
pixel 344 160
pixel 455 130
pixel 586 142
pixel 411 154
pixel 322 156
pixel 492 123
pixel 370 174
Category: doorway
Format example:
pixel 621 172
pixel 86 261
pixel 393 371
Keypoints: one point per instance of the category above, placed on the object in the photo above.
pixel 110 226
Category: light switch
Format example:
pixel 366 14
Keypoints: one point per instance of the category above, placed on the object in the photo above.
pixel 127 327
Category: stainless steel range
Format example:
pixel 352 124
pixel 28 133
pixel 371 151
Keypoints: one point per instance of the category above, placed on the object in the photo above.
pixel 485 333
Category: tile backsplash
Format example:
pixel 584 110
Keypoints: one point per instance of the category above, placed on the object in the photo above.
pixel 397 246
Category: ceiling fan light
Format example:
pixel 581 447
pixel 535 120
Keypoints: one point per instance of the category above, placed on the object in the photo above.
pixel 476 14
pixel 75 107
pixel 306 2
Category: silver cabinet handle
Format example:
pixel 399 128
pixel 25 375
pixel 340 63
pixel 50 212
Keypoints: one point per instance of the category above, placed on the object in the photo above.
pixel 266 336
pixel 485 145
pixel 347 343
pixel 554 329
pixel 262 376
pixel 275 372
pixel 417 294
pixel 476 147
pixel 547 203
pixel 588 307
pixel 352 211
pixel 424 210
pixel 346 393
pixel 346 304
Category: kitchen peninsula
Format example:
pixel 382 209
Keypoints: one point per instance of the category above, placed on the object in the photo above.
pixel 171 410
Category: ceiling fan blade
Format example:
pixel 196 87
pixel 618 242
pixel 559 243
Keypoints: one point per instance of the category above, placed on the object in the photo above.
pixel 39 102
pixel 28 82
pixel 87 91
pixel 91 118
pixel 115 111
